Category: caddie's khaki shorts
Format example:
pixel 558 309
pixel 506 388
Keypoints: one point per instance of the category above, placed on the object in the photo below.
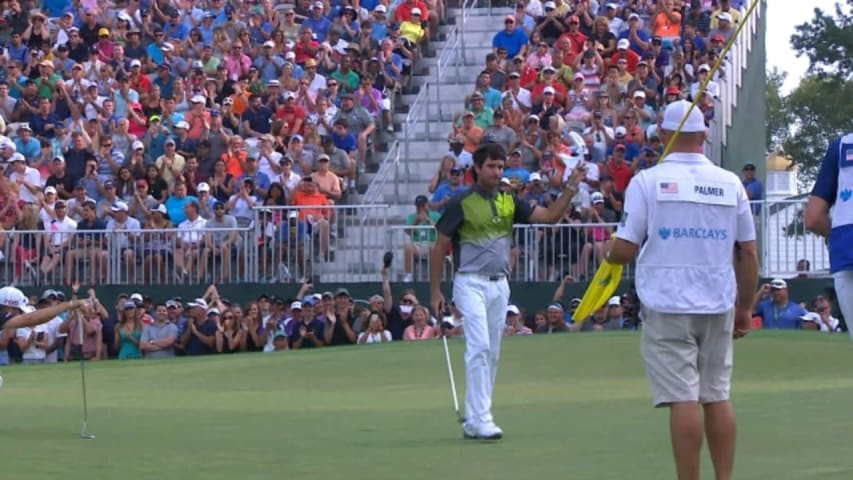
pixel 688 358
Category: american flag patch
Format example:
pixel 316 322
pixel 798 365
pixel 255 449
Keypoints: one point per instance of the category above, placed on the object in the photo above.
pixel 668 187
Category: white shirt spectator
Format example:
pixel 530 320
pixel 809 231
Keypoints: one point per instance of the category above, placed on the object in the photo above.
pixel 523 98
pixel 265 164
pixel 32 352
pixel 59 230
pixel 291 182
pixel 31 176
pixel 52 335
pixel 192 231
pixel 329 116
pixel 124 239
pixel 375 337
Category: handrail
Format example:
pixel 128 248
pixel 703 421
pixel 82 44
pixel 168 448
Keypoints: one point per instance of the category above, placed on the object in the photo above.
pixel 730 83
pixel 387 167
pixel 467 6
pixel 448 53
pixel 418 110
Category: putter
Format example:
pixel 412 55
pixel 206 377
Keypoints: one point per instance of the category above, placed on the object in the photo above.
pixel 452 381
pixel 84 432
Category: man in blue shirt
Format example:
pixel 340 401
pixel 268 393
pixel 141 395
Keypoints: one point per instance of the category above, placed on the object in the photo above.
pixel 511 37
pixel 834 189
pixel 317 22
pixel 777 312
pixel 342 138
pixel 754 189
pixel 444 192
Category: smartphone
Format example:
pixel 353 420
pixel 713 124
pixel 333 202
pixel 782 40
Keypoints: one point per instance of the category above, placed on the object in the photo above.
pixel 40 336
pixel 387 259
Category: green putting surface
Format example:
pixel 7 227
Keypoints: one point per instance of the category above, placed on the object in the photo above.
pixel 572 407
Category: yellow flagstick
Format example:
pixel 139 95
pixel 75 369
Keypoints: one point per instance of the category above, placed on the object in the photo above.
pixel 607 277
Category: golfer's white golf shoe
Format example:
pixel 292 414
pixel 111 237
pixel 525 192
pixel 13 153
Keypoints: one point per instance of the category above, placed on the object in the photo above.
pixel 482 431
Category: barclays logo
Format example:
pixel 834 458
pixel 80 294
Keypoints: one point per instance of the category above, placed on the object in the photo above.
pixel 846 194
pixel 692 233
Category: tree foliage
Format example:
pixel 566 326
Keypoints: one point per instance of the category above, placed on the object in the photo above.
pixel 827 41
pixel 805 121
pixel 778 115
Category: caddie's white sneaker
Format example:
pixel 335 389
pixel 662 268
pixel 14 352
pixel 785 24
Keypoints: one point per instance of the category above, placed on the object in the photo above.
pixel 483 431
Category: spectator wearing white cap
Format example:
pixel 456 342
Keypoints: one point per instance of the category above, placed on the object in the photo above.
pixel 25 143
pixel 637 38
pixel 125 239
pixel 724 7
pixel 624 52
pixel 184 145
pixel 607 318
pixel 515 323
pixel 171 164
pixel 27 178
pixel 268 63
pixel 712 89
pixel 777 311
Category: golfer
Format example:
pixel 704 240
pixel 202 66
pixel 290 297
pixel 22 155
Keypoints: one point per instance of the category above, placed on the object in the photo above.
pixel 478 225
pixel 834 189
pixel 695 227
pixel 15 311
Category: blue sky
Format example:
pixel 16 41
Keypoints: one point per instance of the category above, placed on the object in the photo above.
pixel 782 17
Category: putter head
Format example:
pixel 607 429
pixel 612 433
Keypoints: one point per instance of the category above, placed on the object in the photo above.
pixel 87 436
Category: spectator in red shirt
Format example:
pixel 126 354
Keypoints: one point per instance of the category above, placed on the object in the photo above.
pixel 575 37
pixel 291 114
pixel 306 47
pixel 623 51
pixel 619 169
pixel 549 80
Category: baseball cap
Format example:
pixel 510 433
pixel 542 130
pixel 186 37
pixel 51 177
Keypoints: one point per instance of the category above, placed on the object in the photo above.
pixel 623 44
pixel 342 292
pixel 296 305
pixel 119 206
pixel 620 131
pixel 182 124
pixel 198 303
pixel 212 310
pixel 811 317
pixel 555 306
pixel 12 297
pixel 639 94
pixel 49 190
pixel 614 301
pixel 778 284
pixel 677 110
pixel 421 200
pixel 513 310
pixel 534 177
pixel 203 187
pixel 596 197
pixel 138 144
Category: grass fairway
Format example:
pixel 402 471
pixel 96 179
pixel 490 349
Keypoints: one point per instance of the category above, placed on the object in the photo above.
pixel 572 407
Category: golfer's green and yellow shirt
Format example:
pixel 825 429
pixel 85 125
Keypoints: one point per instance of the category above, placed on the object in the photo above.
pixel 479 225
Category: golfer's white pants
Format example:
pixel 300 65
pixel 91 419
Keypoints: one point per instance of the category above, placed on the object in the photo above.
pixel 844 297
pixel 482 301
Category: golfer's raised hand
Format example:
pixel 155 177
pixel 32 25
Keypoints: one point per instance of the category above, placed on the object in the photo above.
pixel 578 174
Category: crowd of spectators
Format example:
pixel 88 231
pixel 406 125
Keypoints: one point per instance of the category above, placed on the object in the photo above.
pixel 157 114
pixel 136 326
pixel 570 80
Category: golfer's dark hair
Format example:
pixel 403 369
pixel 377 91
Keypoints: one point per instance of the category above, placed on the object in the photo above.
pixel 487 151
